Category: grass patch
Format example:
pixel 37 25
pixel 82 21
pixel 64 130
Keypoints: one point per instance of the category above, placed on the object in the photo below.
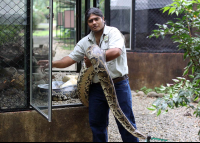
pixel 68 47
pixel 40 33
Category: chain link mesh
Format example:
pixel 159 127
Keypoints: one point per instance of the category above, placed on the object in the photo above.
pixel 120 17
pixel 147 14
pixel 13 19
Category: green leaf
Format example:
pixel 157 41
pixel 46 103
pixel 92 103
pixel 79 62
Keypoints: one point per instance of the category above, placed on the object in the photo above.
pixel 165 112
pixel 177 4
pixel 196 98
pixel 154 105
pixel 153 112
pixel 185 55
pixel 180 78
pixel 184 17
pixel 176 104
pixel 172 10
pixel 182 93
pixel 191 76
pixel 170 104
pixel 198 81
pixel 151 108
pixel 164 106
pixel 176 80
pixel 186 72
pixel 159 112
pixel 177 13
pixel 193 69
pixel 165 9
pixel 190 63
pixel 165 26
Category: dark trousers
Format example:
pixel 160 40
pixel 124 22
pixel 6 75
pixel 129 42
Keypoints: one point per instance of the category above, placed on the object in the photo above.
pixel 99 111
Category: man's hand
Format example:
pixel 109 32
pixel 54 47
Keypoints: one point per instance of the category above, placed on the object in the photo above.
pixel 43 64
pixel 87 62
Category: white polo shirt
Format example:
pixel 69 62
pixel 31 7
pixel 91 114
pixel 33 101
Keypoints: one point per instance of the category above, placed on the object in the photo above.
pixel 111 38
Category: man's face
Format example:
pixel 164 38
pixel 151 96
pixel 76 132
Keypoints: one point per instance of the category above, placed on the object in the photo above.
pixel 95 23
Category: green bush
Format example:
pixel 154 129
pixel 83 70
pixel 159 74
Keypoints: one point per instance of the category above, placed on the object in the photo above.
pixel 185 32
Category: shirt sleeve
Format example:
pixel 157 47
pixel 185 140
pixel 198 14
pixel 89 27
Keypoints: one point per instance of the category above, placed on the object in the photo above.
pixel 77 54
pixel 116 39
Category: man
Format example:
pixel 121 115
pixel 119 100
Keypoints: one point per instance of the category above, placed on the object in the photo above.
pixel 112 41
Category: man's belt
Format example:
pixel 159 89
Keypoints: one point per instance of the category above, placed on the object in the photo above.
pixel 118 79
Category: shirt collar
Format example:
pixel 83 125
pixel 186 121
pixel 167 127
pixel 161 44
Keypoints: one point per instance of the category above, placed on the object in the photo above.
pixel 105 32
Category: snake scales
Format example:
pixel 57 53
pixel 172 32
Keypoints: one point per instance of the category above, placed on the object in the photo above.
pixel 97 58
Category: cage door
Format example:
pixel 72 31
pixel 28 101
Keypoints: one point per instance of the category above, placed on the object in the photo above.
pixel 41 49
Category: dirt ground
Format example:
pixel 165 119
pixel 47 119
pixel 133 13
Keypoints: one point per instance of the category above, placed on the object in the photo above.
pixel 60 52
pixel 174 126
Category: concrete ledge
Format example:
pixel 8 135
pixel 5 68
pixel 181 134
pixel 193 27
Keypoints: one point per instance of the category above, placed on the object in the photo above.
pixel 68 125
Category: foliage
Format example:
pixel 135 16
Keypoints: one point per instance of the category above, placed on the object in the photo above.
pixel 38 17
pixel 156 89
pixel 10 34
pixel 102 6
pixel 146 90
pixel 66 33
pixel 178 95
pixel 40 12
pixel 185 32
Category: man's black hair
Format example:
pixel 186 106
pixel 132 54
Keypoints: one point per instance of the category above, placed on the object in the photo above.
pixel 94 11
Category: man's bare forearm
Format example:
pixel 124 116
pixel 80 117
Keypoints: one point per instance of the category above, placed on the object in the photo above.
pixel 112 54
pixel 63 63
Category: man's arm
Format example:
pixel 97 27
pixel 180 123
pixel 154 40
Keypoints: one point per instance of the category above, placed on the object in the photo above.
pixel 111 54
pixel 63 63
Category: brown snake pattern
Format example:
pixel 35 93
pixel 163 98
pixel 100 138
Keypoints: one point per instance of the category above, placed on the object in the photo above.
pixel 97 58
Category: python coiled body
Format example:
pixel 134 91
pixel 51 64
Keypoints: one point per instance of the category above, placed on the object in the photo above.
pixel 97 58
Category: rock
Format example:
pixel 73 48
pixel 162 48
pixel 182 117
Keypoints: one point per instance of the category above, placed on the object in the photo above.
pixel 64 95
pixel 133 93
pixel 12 55
pixel 6 77
pixel 18 81
pixel 74 93
pixel 140 93
pixel 154 94
pixel 187 114
pixel 60 97
pixel 161 95
pixel 68 77
pixel 3 85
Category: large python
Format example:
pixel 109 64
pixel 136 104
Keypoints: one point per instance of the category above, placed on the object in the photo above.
pixel 97 58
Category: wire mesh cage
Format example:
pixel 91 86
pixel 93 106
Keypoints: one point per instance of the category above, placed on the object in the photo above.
pixel 13 20
pixel 120 17
pixel 148 13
